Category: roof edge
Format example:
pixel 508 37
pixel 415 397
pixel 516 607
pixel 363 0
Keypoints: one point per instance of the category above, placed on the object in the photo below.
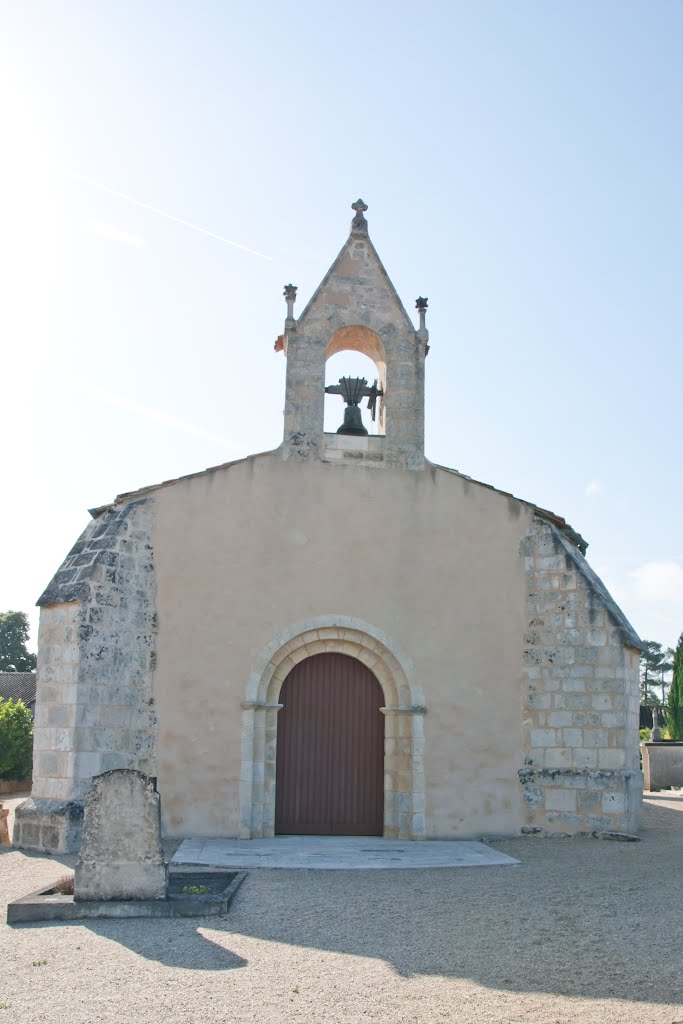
pixel 628 634
pixel 127 496
pixel 559 522
pixel 576 539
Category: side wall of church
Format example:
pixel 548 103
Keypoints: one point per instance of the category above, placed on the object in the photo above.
pixel 581 706
pixel 96 655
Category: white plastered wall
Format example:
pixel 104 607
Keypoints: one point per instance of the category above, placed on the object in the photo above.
pixel 266 553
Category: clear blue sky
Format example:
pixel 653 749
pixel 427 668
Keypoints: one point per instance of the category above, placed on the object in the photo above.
pixel 522 165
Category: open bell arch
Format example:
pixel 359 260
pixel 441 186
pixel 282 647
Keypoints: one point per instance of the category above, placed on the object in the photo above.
pixel 357 338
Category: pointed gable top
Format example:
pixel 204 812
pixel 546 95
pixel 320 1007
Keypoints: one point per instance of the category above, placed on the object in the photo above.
pixel 358 281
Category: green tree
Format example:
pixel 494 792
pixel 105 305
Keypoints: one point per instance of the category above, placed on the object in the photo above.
pixel 14 656
pixel 675 707
pixel 665 669
pixel 650 661
pixel 16 740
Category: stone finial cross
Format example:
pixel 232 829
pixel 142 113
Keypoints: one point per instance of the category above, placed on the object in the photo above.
pixel 421 307
pixel 422 332
pixel 359 225
pixel 290 298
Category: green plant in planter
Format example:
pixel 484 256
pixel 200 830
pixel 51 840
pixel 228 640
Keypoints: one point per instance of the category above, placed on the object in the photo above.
pixel 195 890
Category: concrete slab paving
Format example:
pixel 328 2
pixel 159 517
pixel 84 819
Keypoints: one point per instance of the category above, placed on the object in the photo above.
pixel 338 853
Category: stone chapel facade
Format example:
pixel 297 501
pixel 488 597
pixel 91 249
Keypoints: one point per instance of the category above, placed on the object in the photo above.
pixel 444 665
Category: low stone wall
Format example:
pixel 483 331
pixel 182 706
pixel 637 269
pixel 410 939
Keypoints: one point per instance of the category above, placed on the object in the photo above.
pixel 9 787
pixel 663 764
pixel 48 826
pixel 4 827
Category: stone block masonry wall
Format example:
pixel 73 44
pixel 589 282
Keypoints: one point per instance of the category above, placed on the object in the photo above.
pixel 581 659
pixel 96 656
pixel 56 696
pixel 349 450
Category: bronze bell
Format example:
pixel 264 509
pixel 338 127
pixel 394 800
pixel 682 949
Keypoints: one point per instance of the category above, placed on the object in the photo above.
pixel 353 422
pixel 352 389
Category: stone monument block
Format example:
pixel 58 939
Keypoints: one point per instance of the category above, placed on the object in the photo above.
pixel 121 856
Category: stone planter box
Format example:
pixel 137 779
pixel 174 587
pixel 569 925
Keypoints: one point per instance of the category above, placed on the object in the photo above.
pixel 50 905
pixel 663 764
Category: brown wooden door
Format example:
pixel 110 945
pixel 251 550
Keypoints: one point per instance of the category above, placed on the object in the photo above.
pixel 330 750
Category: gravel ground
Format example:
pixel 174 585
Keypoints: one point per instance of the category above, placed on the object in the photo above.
pixel 581 931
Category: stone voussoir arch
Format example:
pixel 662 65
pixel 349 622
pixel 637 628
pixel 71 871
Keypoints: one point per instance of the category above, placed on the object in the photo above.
pixel 357 338
pixel 403 734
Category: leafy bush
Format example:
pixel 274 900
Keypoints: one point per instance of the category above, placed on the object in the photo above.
pixel 645 735
pixel 16 740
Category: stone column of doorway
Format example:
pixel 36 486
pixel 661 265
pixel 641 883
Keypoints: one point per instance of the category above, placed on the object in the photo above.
pixel 257 776
pixel 404 789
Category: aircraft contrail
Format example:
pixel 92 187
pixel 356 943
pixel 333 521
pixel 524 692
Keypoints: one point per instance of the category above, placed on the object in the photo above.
pixel 150 412
pixel 164 213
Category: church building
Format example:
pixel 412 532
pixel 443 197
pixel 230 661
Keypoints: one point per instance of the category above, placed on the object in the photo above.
pixel 444 665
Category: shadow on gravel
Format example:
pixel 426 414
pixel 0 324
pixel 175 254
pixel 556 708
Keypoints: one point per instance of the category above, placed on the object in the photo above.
pixel 172 942
pixel 577 918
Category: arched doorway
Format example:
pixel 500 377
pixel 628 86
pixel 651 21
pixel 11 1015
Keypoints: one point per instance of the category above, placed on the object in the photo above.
pixel 330 749
pixel 404 711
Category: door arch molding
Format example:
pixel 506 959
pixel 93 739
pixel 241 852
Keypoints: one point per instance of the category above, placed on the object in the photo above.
pixel 403 721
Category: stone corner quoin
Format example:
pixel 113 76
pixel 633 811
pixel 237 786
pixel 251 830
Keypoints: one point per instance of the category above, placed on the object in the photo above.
pixel 94 701
pixel 581 714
